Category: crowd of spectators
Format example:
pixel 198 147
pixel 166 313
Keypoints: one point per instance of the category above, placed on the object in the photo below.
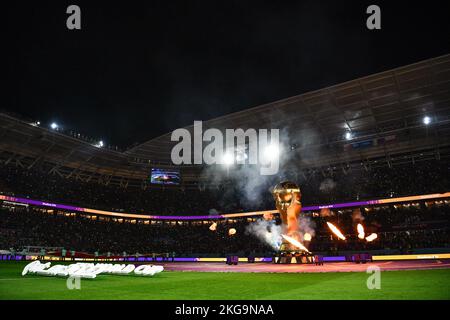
pixel 424 177
pixel 31 227
pixel 399 226
pixel 404 228
pixel 317 188
pixel 40 185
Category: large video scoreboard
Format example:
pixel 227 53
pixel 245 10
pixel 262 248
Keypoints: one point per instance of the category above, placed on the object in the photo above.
pixel 163 176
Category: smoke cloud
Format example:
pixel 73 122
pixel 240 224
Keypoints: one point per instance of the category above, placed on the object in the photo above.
pixel 213 212
pixel 306 225
pixel 327 185
pixel 246 185
pixel 266 231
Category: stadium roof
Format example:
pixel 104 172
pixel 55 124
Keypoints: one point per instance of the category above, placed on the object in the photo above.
pixel 384 111
pixel 389 103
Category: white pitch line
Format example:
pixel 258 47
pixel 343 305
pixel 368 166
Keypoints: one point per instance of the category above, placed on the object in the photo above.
pixel 24 278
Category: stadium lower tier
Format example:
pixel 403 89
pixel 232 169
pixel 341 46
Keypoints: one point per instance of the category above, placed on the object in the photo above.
pixel 409 226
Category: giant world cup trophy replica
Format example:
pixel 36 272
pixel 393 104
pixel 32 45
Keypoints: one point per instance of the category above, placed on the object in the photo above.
pixel 287 198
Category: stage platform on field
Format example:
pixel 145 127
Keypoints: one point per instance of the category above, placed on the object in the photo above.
pixel 306 268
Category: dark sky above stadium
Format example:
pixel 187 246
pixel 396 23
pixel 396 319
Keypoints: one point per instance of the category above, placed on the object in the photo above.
pixel 137 70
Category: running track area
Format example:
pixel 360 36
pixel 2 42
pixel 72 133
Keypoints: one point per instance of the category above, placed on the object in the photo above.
pixel 327 267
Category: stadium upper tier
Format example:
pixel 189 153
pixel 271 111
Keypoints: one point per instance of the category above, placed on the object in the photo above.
pixel 384 113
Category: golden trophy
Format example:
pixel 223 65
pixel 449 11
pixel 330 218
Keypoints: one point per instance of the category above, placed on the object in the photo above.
pixel 287 198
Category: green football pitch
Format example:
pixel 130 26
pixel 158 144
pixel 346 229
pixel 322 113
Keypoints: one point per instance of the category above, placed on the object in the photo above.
pixel 174 285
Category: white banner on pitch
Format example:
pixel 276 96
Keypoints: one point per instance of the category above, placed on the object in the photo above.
pixel 89 270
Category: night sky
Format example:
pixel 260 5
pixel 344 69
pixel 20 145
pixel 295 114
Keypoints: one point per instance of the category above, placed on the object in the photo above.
pixel 137 70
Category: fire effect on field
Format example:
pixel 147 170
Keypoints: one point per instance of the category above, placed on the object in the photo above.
pixel 307 237
pixel 372 237
pixel 360 229
pixel 295 243
pixel 336 231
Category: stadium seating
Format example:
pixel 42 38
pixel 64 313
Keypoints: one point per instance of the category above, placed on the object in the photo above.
pixel 402 227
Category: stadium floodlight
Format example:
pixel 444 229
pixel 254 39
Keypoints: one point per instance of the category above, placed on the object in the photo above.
pixel 99 144
pixel 271 152
pixel 54 126
pixel 426 120
pixel 348 135
pixel 228 159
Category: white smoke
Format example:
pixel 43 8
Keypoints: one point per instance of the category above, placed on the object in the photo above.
pixel 306 225
pixel 266 231
pixel 327 185
pixel 270 233
pixel 213 212
pixel 246 182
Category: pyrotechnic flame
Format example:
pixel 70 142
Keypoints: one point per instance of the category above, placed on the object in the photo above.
pixel 372 237
pixel 295 243
pixel 336 231
pixel 361 233
pixel 307 237
pixel 213 227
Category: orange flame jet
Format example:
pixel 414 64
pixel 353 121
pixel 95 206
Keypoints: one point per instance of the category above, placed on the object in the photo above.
pixel 336 231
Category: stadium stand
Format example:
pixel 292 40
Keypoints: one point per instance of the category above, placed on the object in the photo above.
pixel 390 152
pixel 404 180
pixel 403 230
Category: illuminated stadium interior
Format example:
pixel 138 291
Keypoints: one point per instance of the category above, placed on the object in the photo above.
pixel 373 151
pixel 211 158
pixel 393 117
